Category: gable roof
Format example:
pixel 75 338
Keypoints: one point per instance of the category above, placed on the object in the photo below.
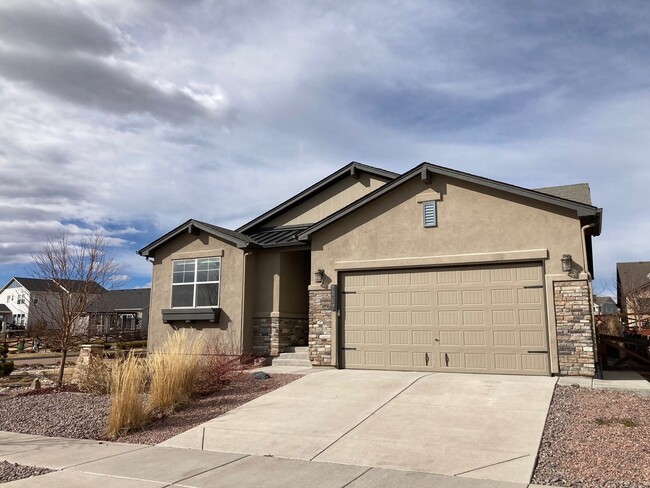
pixel 425 172
pixel 600 300
pixel 121 300
pixel 352 169
pixel 579 192
pixel 632 276
pixel 4 309
pixel 42 285
pixel 192 226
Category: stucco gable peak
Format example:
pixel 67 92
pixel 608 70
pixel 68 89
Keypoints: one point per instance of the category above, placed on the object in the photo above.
pixel 353 170
pixel 426 173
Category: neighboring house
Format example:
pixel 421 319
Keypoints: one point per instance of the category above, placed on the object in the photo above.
pixel 430 270
pixel 633 291
pixel 604 306
pixel 120 311
pixel 26 299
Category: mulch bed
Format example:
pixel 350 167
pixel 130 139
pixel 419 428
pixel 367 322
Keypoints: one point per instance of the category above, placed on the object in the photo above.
pixel 595 439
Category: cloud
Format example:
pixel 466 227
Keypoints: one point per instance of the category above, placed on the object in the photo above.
pixel 62 51
pixel 135 116
pixel 56 27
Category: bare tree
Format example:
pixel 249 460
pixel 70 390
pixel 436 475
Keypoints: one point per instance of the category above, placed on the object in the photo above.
pixel 76 273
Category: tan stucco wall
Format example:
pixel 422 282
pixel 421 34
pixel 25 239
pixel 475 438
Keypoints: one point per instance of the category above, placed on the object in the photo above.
pixel 294 280
pixel 281 280
pixel 267 282
pixel 191 246
pixel 472 220
pixel 328 201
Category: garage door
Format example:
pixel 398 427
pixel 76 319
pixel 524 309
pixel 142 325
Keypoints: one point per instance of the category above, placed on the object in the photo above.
pixel 487 319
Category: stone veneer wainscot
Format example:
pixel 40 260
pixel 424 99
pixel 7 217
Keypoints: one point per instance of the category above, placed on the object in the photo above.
pixel 574 322
pixel 320 327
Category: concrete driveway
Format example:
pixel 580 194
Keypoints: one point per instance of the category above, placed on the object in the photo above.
pixel 477 426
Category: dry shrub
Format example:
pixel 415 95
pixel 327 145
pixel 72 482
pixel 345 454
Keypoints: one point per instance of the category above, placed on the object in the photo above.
pixel 95 377
pixel 127 411
pixel 174 369
pixel 609 325
pixel 222 362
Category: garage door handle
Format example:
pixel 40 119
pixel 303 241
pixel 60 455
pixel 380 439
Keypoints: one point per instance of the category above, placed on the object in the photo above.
pixel 537 352
pixel 349 348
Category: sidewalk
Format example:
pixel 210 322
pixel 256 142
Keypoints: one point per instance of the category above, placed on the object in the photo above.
pixel 88 463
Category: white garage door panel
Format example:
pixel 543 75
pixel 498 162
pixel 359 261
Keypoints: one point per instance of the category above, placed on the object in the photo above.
pixel 474 319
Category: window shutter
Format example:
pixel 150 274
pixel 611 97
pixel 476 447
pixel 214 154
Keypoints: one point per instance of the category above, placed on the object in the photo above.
pixel 430 217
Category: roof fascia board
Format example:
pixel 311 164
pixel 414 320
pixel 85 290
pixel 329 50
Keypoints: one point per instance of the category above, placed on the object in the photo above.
pixel 9 283
pixel 190 226
pixel 351 169
pixel 426 170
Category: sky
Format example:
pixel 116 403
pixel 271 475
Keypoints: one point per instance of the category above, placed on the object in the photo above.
pixel 131 117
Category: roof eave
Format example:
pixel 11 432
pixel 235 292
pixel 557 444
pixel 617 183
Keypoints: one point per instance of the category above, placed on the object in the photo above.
pixel 425 171
pixel 348 170
pixel 190 226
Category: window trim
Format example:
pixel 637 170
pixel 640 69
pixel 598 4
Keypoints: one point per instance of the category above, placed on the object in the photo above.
pixel 194 283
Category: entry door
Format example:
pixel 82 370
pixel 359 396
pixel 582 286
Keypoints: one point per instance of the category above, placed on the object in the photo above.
pixel 479 319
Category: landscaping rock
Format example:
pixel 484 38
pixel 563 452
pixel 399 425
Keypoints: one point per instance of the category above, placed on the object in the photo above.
pixel 261 375
pixel 36 384
pixel 11 471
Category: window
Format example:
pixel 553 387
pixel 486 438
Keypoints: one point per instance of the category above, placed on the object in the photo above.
pixel 8 298
pixel 429 214
pixel 195 283
pixel 21 300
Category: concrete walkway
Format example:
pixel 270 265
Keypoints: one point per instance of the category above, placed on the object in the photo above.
pixel 85 463
pixel 470 426
pixel 629 381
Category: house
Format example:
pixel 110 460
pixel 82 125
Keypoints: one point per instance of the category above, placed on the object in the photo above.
pixel 28 301
pixel 633 291
pixel 604 306
pixel 430 270
pixel 120 311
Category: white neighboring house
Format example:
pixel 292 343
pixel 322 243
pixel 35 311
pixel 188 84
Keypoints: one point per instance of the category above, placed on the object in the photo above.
pixel 19 299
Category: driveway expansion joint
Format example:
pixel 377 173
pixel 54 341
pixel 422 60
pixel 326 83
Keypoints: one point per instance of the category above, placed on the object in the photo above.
pixel 491 464
pixel 372 413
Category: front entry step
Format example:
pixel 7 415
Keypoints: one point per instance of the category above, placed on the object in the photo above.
pixel 293 356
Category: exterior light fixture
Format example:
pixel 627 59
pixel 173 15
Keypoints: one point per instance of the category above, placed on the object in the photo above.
pixel 318 275
pixel 566 263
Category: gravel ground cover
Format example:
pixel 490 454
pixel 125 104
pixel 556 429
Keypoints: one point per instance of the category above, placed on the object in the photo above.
pixel 595 439
pixel 12 472
pixel 83 416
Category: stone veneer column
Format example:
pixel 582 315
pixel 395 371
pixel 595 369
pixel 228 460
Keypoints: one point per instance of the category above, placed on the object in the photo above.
pixel 266 336
pixel 320 327
pixel 574 323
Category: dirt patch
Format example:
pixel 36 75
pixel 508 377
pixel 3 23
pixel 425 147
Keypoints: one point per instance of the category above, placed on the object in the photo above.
pixel 595 438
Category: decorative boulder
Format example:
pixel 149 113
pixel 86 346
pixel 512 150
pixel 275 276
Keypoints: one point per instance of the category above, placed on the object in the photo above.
pixel 261 375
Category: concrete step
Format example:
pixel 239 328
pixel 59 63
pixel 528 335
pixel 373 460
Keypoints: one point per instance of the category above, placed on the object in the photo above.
pixel 291 362
pixel 299 349
pixel 294 355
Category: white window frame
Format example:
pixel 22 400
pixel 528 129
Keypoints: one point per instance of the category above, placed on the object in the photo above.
pixel 21 299
pixel 194 283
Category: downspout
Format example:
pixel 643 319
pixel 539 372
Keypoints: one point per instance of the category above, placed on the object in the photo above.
pixel 583 237
pixel 243 303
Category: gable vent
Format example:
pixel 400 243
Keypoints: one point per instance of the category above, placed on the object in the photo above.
pixel 429 211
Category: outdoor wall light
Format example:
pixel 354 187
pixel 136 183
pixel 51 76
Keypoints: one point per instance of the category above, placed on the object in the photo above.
pixel 567 263
pixel 318 275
